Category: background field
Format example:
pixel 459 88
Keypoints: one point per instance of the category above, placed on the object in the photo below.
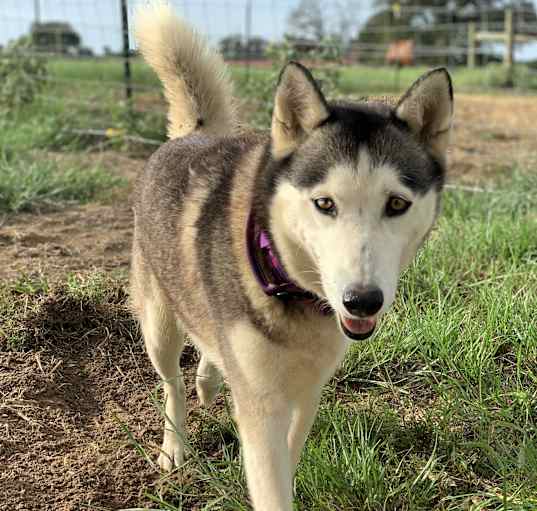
pixel 438 411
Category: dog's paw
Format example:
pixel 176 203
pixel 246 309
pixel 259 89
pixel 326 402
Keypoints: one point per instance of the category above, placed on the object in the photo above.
pixel 172 455
pixel 207 389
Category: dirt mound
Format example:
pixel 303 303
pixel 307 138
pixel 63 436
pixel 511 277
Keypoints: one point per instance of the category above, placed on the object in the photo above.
pixel 70 407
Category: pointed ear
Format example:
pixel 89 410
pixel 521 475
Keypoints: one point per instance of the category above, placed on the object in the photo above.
pixel 427 107
pixel 299 108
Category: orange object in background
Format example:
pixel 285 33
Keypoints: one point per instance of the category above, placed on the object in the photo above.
pixel 401 52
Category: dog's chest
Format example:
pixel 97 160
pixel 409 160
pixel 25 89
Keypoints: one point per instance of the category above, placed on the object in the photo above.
pixel 319 348
pixel 307 357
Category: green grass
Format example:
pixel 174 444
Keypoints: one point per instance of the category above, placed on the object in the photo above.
pixel 99 70
pixel 377 80
pixel 89 94
pixel 362 79
pixel 36 313
pixel 439 410
pixel 29 184
pixel 59 120
pixel 30 179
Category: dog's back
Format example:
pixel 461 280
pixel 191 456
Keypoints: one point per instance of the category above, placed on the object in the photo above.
pixel 188 209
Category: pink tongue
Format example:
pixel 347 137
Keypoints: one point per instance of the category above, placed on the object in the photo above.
pixel 359 326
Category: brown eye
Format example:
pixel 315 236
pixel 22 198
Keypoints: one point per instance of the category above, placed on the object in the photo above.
pixel 325 205
pixel 397 206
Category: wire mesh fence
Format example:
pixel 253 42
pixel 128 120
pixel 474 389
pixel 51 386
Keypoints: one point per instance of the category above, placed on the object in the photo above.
pixel 91 60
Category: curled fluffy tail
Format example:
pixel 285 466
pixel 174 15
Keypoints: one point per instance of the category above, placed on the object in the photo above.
pixel 195 78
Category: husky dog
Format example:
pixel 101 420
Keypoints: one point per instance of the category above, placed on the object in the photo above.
pixel 273 250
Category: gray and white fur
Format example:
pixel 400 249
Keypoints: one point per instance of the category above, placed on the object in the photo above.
pixel 347 192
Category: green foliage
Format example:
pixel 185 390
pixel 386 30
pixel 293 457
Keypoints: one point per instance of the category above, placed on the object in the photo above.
pixel 22 76
pixel 523 77
pixel 258 86
pixel 30 285
pixel 329 49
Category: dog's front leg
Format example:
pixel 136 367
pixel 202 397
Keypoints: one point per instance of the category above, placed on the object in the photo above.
pixel 263 427
pixel 303 418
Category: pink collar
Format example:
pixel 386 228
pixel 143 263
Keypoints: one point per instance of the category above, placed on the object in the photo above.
pixel 270 274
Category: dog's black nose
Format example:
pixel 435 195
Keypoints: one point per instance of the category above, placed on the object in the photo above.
pixel 363 300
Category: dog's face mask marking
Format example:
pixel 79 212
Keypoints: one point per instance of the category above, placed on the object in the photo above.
pixel 351 245
pixel 353 207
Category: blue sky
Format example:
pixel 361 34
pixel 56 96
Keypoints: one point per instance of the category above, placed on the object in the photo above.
pixel 99 21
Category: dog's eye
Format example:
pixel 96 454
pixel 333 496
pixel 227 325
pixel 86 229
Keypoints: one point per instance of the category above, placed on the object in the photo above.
pixel 397 206
pixel 325 205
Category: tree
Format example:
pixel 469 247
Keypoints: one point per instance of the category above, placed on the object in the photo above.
pixel 460 10
pixel 306 21
pixel 55 35
pixel 231 47
pixel 310 21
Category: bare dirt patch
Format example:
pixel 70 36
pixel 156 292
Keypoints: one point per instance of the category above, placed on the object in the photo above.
pixel 70 240
pixel 492 135
pixel 63 446
pixel 79 238
pixel 72 403
pixel 65 401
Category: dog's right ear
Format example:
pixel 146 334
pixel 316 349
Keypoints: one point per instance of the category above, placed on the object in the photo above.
pixel 299 108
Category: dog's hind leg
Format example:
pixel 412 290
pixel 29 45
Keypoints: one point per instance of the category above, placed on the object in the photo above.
pixel 164 342
pixel 208 381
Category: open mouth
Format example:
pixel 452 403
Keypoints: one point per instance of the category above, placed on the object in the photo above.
pixel 358 329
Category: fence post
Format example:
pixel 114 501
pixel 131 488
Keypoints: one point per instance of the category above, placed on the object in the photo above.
pixel 471 44
pixel 37 11
pixel 126 50
pixel 509 45
pixel 248 30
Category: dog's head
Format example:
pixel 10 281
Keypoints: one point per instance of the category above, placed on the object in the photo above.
pixel 355 189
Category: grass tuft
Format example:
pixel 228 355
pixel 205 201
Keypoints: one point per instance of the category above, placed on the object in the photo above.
pixel 33 184
pixel 35 313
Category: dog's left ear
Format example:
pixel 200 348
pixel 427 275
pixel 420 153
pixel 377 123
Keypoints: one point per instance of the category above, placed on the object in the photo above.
pixel 427 107
pixel 299 108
